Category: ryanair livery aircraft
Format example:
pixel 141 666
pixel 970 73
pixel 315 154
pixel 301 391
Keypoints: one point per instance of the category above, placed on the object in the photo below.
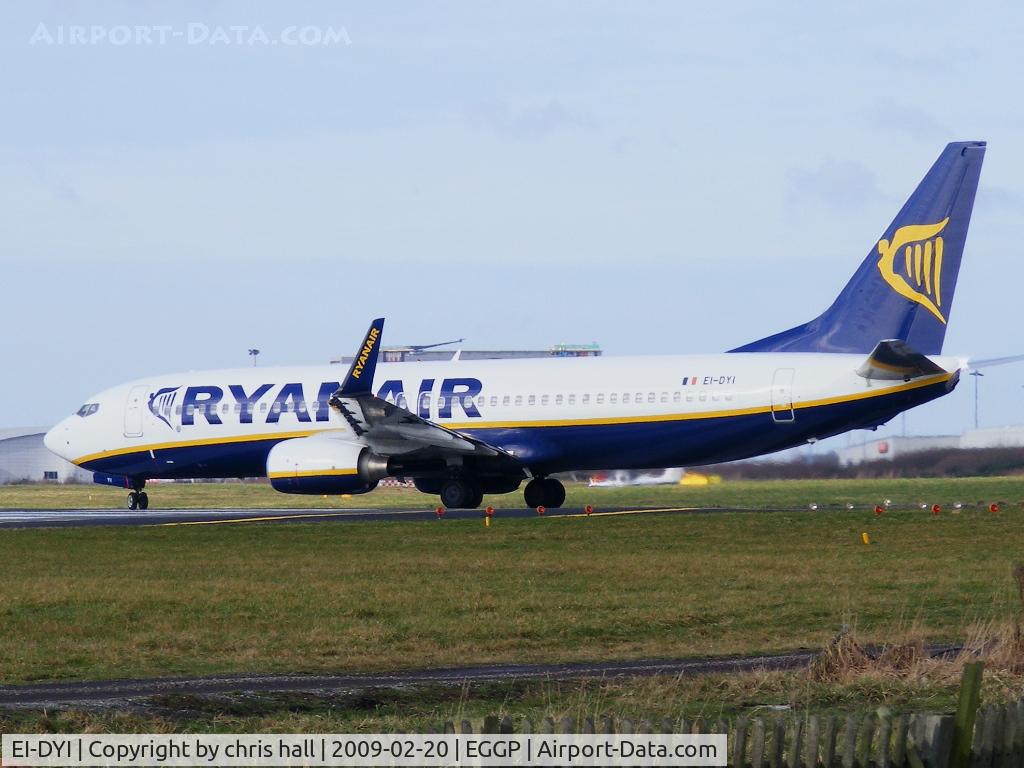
pixel 464 428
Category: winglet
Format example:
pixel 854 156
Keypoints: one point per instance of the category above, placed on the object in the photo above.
pixel 359 380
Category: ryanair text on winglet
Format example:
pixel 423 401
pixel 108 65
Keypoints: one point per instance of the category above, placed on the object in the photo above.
pixel 364 355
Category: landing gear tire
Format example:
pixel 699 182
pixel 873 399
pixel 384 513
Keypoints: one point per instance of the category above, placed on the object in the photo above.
pixel 133 500
pixel 143 500
pixel 554 493
pixel 544 492
pixel 460 493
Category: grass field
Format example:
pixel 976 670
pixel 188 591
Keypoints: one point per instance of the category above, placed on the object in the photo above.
pixel 759 494
pixel 105 602
pixel 139 601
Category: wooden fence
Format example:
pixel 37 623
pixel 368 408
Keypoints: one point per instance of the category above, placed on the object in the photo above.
pixel 988 737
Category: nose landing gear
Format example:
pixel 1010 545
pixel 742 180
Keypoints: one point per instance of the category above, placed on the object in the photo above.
pixel 138 498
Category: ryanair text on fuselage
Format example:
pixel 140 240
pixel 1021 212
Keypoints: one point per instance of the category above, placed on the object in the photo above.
pixel 205 401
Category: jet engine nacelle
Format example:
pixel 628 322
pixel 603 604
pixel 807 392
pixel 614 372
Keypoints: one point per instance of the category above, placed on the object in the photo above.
pixel 320 465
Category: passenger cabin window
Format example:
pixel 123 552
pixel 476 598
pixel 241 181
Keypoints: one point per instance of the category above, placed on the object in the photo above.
pixel 533 399
pixel 650 397
pixel 600 398
pixel 703 395
pixel 519 399
pixel 572 399
pixel 676 396
pixel 558 399
pixel 664 397
pixel 88 409
pixel 625 398
pixel 586 398
pixel 494 401
pixel 543 399
pixel 401 401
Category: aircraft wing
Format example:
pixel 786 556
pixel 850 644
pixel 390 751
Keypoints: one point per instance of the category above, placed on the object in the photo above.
pixel 387 428
pixel 894 359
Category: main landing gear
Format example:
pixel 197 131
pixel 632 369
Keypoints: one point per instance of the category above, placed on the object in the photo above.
pixel 461 493
pixel 138 498
pixel 544 492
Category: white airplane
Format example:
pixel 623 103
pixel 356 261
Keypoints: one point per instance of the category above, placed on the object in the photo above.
pixel 464 428
pixel 621 478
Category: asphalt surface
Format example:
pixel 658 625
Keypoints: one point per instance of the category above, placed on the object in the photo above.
pixel 112 693
pixel 103 693
pixel 73 518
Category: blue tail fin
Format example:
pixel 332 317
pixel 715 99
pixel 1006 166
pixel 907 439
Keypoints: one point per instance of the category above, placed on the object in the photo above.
pixel 904 288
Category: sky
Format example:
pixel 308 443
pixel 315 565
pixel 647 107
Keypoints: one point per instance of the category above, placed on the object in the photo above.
pixel 187 181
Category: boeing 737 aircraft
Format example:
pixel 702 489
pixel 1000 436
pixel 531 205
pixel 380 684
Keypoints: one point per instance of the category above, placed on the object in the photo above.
pixel 464 428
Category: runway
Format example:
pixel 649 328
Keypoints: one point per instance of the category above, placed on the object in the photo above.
pixel 81 518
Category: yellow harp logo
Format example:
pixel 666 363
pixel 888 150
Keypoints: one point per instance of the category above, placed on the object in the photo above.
pixel 916 273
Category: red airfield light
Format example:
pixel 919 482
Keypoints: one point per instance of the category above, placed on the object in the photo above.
pixel 936 509
pixel 993 507
pixel 439 512
pixel 540 510
pixel 489 511
pixel 879 509
pixel 589 510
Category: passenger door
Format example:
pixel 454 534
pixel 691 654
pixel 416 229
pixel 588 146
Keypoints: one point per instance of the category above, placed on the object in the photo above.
pixel 782 396
pixel 133 411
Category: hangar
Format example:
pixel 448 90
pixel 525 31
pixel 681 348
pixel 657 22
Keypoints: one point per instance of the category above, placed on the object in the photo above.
pixel 24 458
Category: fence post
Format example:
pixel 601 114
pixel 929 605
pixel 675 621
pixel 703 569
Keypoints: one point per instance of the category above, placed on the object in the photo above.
pixel 828 753
pixel 850 742
pixel 757 745
pixel 865 737
pixel 899 744
pixel 884 736
pixel 966 711
pixel 739 743
pixel 813 740
pixel 795 746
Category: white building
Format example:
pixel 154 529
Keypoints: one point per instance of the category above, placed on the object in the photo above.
pixel 894 446
pixel 23 457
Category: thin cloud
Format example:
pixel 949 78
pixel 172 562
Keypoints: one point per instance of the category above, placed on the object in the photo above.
pixel 531 123
pixel 835 183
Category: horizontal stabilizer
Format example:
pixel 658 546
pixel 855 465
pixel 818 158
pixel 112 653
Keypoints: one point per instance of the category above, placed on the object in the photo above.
pixel 894 359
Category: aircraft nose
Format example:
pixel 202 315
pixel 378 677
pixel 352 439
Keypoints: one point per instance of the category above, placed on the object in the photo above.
pixel 58 439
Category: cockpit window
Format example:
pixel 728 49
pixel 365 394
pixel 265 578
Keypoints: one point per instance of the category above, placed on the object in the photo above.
pixel 88 409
